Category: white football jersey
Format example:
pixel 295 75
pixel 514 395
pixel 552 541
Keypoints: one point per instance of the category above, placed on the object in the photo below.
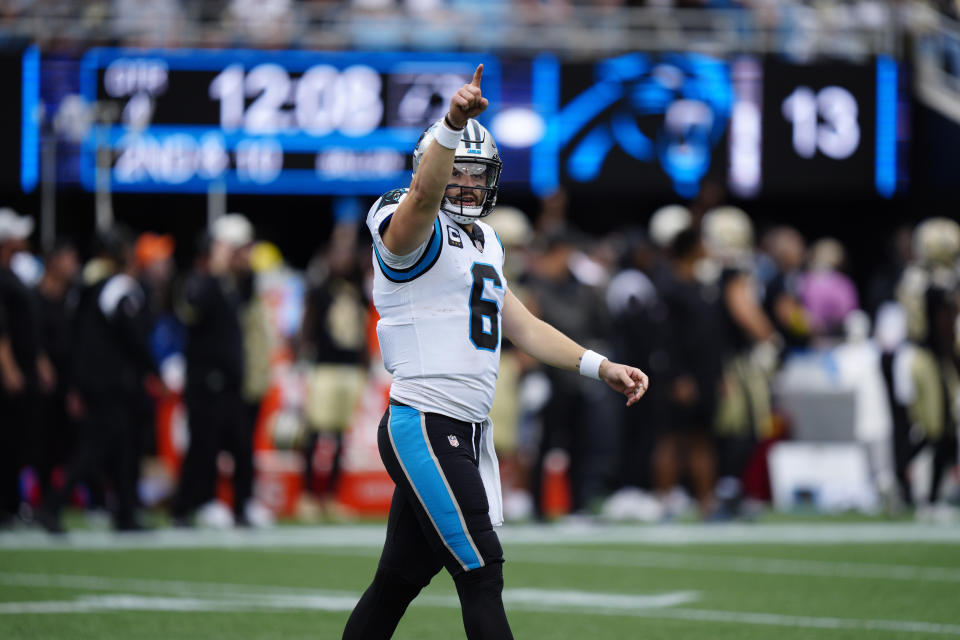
pixel 439 307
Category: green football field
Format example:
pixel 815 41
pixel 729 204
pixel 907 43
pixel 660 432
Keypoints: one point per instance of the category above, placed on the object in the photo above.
pixel 784 581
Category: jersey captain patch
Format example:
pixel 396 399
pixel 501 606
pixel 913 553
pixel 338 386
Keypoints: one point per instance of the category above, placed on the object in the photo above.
pixel 453 237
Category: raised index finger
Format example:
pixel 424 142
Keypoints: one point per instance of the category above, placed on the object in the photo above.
pixel 477 75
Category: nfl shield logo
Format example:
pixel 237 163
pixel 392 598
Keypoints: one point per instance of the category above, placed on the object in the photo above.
pixel 453 441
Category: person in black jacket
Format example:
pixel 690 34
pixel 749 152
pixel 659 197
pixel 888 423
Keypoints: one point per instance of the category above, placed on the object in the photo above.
pixel 111 364
pixel 57 294
pixel 577 417
pixel 24 369
pixel 695 352
pixel 210 309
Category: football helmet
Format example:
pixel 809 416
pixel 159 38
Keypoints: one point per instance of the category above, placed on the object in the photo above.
pixel 827 254
pixel 936 242
pixel 727 233
pixel 478 160
pixel 667 223
pixel 512 225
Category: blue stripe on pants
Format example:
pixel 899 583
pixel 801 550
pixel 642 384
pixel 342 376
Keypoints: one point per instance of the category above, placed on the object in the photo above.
pixel 423 472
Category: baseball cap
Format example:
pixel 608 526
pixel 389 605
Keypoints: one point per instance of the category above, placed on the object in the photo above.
pixel 233 229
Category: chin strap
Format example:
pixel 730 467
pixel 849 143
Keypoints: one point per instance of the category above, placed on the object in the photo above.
pixel 462 220
pixel 458 213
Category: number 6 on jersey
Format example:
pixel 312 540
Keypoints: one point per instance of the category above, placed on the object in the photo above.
pixel 484 313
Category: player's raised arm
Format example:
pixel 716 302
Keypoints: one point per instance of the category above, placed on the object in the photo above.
pixel 548 345
pixel 411 223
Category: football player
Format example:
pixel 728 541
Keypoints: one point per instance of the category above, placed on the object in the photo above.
pixel 444 303
pixel 751 348
pixel 925 373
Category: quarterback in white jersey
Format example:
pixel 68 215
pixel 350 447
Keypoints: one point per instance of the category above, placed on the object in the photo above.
pixel 439 327
pixel 444 305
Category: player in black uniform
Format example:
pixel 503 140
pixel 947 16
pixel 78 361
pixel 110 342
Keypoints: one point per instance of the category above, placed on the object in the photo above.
pixel 22 362
pixel 111 364
pixel 210 309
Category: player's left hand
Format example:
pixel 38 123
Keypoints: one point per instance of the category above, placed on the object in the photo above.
pixel 629 381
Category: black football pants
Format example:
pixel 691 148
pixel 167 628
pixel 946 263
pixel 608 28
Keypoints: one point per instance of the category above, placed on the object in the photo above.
pixel 439 517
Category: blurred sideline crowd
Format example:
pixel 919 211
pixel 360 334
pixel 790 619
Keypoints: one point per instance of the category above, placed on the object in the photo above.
pixel 727 318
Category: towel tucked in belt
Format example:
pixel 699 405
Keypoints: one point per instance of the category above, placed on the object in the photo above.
pixel 490 473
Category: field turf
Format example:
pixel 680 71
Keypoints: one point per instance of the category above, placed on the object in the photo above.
pixel 784 581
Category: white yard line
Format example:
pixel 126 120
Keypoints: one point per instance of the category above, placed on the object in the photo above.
pixel 734 533
pixel 655 606
pixel 121 602
pixel 366 536
pixel 737 564
pixel 155 586
pixel 587 600
pixel 286 595
pixel 216 596
pixel 803 622
pixel 688 562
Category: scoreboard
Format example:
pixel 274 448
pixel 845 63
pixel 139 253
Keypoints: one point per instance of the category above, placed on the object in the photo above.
pixel 654 123
pixel 662 123
pixel 832 126
pixel 267 122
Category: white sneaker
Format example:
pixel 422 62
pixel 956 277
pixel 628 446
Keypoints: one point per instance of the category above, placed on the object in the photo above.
pixel 215 515
pixel 517 505
pixel 258 515
pixel 939 513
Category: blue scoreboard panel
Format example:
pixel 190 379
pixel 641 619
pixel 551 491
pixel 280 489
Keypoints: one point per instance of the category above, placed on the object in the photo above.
pixel 662 123
pixel 832 127
pixel 651 124
pixel 20 153
pixel 266 122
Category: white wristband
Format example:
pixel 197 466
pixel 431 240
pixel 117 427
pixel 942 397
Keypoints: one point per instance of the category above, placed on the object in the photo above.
pixel 590 363
pixel 445 136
